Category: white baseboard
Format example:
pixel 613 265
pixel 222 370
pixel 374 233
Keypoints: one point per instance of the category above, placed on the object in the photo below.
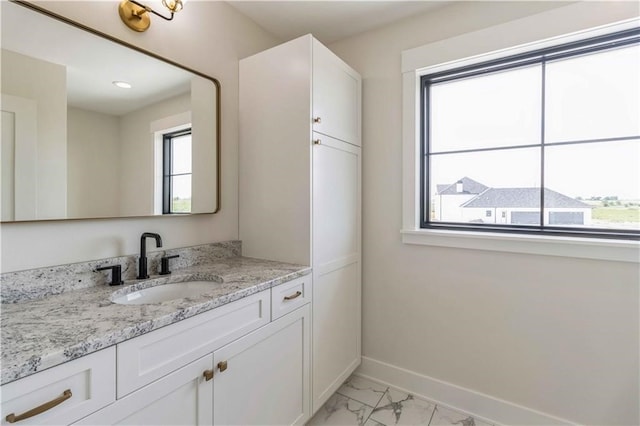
pixel 484 407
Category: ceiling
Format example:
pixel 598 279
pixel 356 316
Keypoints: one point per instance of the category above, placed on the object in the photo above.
pixel 89 79
pixel 328 21
pixel 92 63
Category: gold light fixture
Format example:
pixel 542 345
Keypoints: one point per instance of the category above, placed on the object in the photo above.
pixel 136 15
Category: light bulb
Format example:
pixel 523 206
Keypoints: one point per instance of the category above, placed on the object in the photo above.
pixel 122 84
pixel 174 5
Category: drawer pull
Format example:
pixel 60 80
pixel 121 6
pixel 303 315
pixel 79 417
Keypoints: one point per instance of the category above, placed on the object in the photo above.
pixel 293 296
pixel 222 365
pixel 208 375
pixel 317 120
pixel 12 418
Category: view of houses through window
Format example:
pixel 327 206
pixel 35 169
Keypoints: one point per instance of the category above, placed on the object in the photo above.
pixel 566 120
pixel 470 201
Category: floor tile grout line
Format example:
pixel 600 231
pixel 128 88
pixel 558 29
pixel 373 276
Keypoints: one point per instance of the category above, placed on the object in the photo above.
pixel 384 392
pixel 381 396
pixel 433 413
pixel 379 402
pixel 361 402
pixel 374 407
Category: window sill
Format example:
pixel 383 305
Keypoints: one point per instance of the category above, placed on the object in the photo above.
pixel 583 248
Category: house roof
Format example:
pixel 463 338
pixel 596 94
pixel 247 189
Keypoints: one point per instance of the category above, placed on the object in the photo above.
pixel 523 197
pixel 469 186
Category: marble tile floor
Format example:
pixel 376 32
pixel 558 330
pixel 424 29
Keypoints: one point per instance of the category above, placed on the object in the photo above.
pixel 362 402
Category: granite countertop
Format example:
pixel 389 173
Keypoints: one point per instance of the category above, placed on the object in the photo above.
pixel 40 334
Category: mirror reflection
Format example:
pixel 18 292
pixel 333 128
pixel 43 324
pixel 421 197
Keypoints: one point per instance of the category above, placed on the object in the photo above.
pixel 92 128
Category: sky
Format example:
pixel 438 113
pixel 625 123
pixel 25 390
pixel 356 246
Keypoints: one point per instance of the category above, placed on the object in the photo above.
pixel 587 97
pixel 182 164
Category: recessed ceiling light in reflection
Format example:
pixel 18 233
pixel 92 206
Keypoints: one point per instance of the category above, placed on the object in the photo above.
pixel 122 84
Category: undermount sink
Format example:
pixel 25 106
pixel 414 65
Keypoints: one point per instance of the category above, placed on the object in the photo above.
pixel 165 292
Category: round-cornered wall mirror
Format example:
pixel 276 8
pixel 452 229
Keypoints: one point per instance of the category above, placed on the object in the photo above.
pixel 93 127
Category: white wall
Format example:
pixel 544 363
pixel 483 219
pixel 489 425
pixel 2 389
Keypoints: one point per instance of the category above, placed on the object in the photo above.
pixel 558 335
pixel 93 164
pixel 137 153
pixel 206 36
pixel 46 84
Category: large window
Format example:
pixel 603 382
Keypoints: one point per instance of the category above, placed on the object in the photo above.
pixel 176 184
pixel 542 142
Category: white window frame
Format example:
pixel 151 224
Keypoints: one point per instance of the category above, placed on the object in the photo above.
pixel 557 26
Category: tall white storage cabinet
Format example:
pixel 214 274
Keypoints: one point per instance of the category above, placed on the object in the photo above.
pixel 300 171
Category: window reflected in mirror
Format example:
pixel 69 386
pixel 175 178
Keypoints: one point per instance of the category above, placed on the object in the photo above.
pixel 177 172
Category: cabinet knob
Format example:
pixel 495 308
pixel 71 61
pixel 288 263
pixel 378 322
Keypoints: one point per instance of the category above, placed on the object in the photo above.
pixel 222 365
pixel 317 141
pixel 208 375
pixel 317 120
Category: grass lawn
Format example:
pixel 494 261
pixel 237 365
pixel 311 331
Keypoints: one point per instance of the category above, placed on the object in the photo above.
pixel 181 206
pixel 616 214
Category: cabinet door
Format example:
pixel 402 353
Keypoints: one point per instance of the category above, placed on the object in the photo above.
pixel 183 397
pixel 336 96
pixel 336 265
pixel 262 378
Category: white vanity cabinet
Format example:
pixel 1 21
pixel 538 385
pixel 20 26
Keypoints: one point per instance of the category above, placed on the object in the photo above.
pixel 259 379
pixel 300 179
pixel 254 370
pixel 62 394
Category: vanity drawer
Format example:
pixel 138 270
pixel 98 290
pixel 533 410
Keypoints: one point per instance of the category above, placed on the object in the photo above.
pixel 81 387
pixel 290 296
pixel 155 354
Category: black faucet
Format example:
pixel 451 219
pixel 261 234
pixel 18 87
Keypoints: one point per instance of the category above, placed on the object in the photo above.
pixel 142 263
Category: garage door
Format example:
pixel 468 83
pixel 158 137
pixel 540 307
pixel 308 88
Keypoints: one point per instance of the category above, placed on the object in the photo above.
pixel 566 218
pixel 525 218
